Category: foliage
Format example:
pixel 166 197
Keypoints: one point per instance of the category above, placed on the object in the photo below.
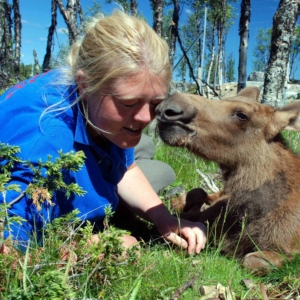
pixel 53 178
pixel 25 72
pixel 70 266
pixel 124 3
pixel 47 177
pixel 67 243
pixel 192 33
pixel 261 51
pixel 295 51
pixel 230 69
pixel 292 138
pixel 61 57
pixel 92 10
pixel 67 251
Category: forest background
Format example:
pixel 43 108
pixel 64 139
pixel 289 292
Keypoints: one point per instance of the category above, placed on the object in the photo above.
pixel 35 28
pixel 211 42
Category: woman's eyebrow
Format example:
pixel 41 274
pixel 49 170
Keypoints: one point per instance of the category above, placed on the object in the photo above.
pixel 158 97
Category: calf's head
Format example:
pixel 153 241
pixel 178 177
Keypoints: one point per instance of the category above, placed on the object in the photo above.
pixel 224 130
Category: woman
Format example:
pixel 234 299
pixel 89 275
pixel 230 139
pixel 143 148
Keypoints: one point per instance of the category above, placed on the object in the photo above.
pixel 119 72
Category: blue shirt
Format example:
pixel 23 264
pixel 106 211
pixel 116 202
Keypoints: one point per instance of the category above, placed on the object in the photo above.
pixel 23 125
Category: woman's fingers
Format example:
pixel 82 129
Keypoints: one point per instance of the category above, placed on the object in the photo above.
pixel 176 240
pixel 192 238
pixel 200 237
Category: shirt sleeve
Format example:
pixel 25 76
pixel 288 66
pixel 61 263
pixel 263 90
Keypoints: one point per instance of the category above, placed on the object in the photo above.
pixel 129 156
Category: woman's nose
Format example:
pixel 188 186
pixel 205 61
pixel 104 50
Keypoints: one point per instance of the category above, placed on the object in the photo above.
pixel 145 114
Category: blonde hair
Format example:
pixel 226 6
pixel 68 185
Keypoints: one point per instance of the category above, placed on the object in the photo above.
pixel 112 48
pixel 117 46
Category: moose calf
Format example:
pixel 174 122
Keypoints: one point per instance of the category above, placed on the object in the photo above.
pixel 258 211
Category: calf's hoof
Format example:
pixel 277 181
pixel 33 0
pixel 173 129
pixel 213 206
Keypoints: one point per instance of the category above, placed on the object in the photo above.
pixel 195 197
pixel 261 263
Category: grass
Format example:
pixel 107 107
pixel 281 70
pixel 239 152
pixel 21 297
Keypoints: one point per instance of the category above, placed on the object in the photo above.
pixel 61 270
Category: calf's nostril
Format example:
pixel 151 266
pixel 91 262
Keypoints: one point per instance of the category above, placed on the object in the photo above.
pixel 171 112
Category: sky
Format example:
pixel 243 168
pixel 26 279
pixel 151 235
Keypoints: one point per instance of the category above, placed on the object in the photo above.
pixel 36 19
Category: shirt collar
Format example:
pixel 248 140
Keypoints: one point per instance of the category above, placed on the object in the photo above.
pixel 81 135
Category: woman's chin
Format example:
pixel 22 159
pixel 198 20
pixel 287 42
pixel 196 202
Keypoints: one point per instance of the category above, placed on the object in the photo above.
pixel 128 142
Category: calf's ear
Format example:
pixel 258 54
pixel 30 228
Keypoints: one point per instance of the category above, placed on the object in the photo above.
pixel 288 117
pixel 250 92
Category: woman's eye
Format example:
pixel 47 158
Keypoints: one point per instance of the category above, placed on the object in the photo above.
pixel 128 105
pixel 155 103
pixel 241 116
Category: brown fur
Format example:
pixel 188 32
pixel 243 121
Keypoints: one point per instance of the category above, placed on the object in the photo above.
pixel 261 175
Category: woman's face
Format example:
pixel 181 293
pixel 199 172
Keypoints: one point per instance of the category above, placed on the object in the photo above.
pixel 127 110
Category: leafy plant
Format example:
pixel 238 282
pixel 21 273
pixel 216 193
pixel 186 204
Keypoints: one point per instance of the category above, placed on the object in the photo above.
pixel 47 178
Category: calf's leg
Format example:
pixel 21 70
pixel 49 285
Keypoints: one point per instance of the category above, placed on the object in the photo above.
pixel 192 200
pixel 211 214
pixel 261 262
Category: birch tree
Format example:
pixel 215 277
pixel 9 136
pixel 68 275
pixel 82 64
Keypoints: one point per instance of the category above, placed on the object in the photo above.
pixel 192 34
pixel 36 66
pixel 158 8
pixel 220 19
pixel 173 31
pixel 5 42
pixel 10 42
pixel 284 22
pixel 130 6
pixel 212 59
pixel 134 7
pixel 221 32
pixel 17 39
pixel 72 13
pixel 51 30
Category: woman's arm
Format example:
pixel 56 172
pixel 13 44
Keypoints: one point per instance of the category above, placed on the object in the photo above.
pixel 137 192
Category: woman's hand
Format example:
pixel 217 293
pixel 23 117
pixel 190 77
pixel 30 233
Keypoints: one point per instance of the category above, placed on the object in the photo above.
pixel 138 194
pixel 186 234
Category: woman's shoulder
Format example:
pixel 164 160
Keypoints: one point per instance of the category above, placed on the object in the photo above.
pixel 52 83
pixel 37 117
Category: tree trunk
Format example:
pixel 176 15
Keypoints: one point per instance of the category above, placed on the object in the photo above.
pixel 3 21
pixel 174 31
pixel 80 13
pixel 158 8
pixel 196 10
pixel 212 59
pixel 220 56
pixel 284 22
pixel 134 7
pixel 18 26
pixel 221 42
pixel 36 67
pixel 6 53
pixel 69 14
pixel 47 58
pixel 216 71
pixel 244 37
pixel 9 43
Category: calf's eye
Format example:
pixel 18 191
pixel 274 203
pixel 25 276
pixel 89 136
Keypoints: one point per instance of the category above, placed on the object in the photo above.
pixel 241 116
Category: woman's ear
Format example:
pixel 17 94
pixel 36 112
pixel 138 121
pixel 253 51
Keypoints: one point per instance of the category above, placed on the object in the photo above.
pixel 80 80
